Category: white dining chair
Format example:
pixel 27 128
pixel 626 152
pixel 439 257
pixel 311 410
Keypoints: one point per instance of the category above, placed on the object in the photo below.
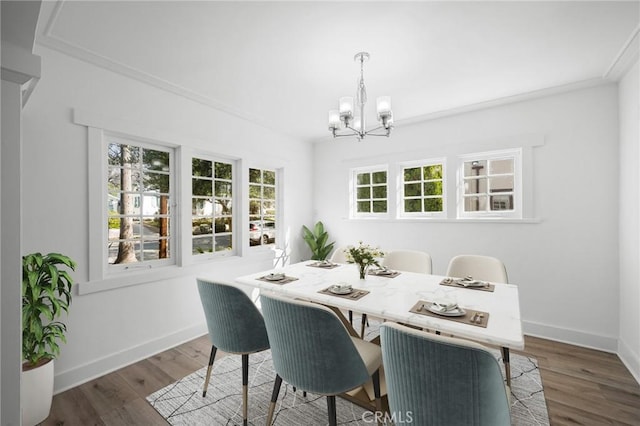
pixel 408 260
pixel 483 268
pixel 339 256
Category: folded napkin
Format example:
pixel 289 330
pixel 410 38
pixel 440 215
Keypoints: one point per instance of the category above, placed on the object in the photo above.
pixel 444 307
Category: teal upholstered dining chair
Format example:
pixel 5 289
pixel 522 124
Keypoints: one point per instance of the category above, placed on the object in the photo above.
pixel 313 351
pixel 235 326
pixel 438 380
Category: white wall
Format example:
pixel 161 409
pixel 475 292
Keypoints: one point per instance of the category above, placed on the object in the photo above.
pixel 111 328
pixel 565 264
pixel 629 111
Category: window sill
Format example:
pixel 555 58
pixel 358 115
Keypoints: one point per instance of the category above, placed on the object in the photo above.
pixel 128 279
pixel 532 220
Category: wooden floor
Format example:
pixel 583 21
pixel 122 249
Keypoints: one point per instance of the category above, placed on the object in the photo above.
pixel 581 386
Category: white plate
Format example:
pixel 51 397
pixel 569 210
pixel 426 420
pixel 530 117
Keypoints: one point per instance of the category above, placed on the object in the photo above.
pixel 457 312
pixel 336 289
pixel 325 264
pixel 274 277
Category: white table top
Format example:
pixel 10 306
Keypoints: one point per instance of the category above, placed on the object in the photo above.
pixel 392 298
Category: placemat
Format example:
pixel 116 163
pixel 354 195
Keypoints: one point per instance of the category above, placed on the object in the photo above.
pixel 387 275
pixel 324 265
pixel 354 295
pixel 451 282
pixel 285 280
pixel 482 318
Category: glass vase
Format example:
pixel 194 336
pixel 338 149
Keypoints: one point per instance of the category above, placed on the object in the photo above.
pixel 363 270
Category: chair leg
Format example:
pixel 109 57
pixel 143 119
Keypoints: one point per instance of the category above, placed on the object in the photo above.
pixel 274 398
pixel 351 317
pixel 245 387
pixel 376 392
pixel 331 408
pixel 206 380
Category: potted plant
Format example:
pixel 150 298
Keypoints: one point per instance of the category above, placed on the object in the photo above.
pixel 46 293
pixel 317 241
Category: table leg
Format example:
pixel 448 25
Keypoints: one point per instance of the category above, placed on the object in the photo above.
pixel 507 365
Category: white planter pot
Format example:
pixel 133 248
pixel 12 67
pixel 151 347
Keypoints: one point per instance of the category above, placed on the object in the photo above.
pixel 36 394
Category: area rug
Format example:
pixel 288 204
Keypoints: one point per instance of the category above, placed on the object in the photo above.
pixel 181 403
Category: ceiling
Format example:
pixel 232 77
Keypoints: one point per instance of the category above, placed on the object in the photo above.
pixel 285 64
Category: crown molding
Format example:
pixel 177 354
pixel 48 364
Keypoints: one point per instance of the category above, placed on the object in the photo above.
pixel 47 39
pixel 627 56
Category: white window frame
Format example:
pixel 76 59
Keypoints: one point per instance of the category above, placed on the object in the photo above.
pixel 235 216
pixel 516 213
pixel 353 193
pixel 278 207
pixel 401 182
pixel 111 269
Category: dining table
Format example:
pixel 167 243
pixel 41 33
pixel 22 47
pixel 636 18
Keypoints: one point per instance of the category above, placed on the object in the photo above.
pixel 492 310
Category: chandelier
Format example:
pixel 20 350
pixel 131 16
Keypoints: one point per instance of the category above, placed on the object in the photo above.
pixel 343 123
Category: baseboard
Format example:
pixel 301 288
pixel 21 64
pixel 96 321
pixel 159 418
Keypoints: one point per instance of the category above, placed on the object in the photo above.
pixel 630 359
pixel 571 336
pixel 81 374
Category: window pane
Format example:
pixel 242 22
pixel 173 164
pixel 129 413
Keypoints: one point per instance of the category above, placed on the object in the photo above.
pixel 223 206
pixel 475 168
pixel 474 204
pixel 124 155
pixel 501 166
pixel 412 174
pixel 156 182
pixel 433 204
pixel 254 208
pixel 269 193
pixel 433 172
pixel 501 183
pixel 379 206
pixel 269 177
pixel 413 206
pixel 202 245
pixel 475 186
pixel 201 206
pixel 255 191
pixel 364 193
pixel 223 171
pixel 502 202
pixel 364 178
pixel 268 208
pixel 200 167
pixel 202 187
pixel 379 177
pixel 155 160
pixel 255 176
pixel 155 249
pixel 364 207
pixel 223 224
pixel 433 188
pixel 223 189
pixel 412 189
pixel 379 192
pixel 223 242
pixel 202 226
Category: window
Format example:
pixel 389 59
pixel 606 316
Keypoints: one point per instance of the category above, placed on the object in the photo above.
pixel 140 193
pixel 262 207
pixel 211 206
pixel 370 192
pixel 423 189
pixel 490 184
